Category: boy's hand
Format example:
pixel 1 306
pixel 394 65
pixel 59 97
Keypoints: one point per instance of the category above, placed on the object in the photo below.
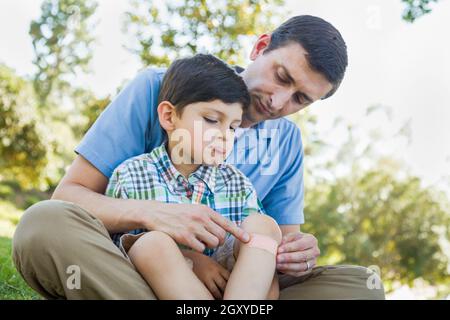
pixel 211 273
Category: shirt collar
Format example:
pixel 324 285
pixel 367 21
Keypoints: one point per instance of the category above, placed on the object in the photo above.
pixel 207 174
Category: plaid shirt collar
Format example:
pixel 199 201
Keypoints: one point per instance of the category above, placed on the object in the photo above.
pixel 205 173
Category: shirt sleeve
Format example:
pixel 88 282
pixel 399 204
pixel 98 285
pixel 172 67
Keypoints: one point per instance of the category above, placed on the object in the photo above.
pixel 285 201
pixel 252 204
pixel 120 131
pixel 118 184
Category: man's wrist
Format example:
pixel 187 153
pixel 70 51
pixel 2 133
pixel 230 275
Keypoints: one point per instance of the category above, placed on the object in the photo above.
pixel 142 217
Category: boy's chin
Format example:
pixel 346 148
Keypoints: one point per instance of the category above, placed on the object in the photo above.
pixel 214 162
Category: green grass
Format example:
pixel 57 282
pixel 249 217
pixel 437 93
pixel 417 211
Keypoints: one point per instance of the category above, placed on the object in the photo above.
pixel 12 286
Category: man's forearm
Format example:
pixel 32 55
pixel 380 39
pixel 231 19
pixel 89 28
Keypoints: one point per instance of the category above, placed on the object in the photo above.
pixel 117 215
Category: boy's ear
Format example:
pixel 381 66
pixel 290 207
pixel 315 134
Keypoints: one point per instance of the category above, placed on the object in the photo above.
pixel 166 115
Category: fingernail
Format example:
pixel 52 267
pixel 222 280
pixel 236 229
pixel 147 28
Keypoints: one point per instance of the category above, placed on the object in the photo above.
pixel 280 250
pixel 246 237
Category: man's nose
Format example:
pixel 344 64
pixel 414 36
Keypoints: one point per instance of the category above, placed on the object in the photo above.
pixel 279 99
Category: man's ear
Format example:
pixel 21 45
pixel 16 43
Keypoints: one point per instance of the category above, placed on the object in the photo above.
pixel 260 45
pixel 166 115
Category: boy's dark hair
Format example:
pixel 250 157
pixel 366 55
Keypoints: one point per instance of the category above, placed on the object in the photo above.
pixel 327 51
pixel 202 78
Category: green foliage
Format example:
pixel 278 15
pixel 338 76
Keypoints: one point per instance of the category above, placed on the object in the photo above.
pixel 416 8
pixel 62 44
pixel 180 28
pixel 367 209
pixel 23 153
pixel 375 218
pixel 89 108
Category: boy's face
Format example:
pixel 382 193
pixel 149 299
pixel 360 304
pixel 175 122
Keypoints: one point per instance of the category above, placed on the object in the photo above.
pixel 280 82
pixel 205 131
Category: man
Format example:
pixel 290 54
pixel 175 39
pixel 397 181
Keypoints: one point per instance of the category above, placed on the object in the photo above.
pixel 302 61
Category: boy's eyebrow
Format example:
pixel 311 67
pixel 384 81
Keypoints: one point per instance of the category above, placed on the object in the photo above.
pixel 292 81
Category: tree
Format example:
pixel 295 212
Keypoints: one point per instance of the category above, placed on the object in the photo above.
pixel 62 44
pixel 172 29
pixel 22 148
pixel 367 209
pixel 89 108
pixel 416 8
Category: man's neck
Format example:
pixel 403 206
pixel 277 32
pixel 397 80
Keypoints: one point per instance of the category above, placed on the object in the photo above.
pixel 246 123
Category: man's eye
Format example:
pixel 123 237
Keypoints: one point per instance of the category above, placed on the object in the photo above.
pixel 298 99
pixel 210 120
pixel 280 78
pixel 232 129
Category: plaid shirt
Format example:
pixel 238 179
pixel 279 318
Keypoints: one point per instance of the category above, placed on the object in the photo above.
pixel 152 176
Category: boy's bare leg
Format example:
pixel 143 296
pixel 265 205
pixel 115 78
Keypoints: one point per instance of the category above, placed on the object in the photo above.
pixel 253 275
pixel 159 260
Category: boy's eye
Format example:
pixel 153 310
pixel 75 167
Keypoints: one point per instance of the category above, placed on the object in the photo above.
pixel 210 120
pixel 232 129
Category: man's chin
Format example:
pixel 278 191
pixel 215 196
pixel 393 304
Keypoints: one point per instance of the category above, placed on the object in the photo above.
pixel 251 119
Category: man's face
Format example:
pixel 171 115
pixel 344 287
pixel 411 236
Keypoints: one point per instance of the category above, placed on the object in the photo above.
pixel 280 82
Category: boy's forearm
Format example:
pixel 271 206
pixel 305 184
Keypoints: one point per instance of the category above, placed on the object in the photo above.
pixel 191 254
pixel 117 215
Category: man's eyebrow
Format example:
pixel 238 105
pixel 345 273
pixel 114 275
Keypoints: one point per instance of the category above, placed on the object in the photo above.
pixel 292 81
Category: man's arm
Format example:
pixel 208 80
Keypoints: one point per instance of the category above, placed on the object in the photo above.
pixel 85 185
pixel 289 228
pixel 191 225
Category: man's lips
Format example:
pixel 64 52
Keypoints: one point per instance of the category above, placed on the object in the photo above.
pixel 262 108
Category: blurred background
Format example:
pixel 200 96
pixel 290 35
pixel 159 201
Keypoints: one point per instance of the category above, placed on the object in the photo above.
pixel 377 164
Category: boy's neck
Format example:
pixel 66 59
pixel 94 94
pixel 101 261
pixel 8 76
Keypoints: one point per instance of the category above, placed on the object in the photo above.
pixel 184 168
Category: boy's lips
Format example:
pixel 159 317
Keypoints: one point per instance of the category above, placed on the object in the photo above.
pixel 219 150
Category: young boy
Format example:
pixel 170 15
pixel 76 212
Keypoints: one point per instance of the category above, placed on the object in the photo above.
pixel 200 105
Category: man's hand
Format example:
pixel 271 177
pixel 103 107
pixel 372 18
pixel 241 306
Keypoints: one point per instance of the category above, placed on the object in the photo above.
pixel 297 253
pixel 193 225
pixel 211 273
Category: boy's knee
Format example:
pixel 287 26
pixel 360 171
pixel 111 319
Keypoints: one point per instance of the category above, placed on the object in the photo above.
pixel 155 243
pixel 264 225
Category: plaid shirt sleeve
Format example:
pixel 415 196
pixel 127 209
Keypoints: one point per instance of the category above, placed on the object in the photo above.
pixel 119 183
pixel 252 203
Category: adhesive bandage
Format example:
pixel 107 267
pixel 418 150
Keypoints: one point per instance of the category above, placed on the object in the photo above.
pixel 263 242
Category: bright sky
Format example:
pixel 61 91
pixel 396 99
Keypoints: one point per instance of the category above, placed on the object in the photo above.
pixel 403 66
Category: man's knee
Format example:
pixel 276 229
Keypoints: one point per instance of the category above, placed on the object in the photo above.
pixel 264 225
pixel 373 283
pixel 38 225
pixel 44 226
pixel 360 282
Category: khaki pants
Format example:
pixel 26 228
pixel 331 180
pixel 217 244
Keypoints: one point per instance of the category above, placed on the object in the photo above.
pixel 63 252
